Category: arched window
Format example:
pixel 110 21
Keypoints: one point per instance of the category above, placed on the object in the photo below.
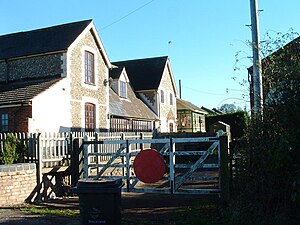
pixel 89 70
pixel 90 117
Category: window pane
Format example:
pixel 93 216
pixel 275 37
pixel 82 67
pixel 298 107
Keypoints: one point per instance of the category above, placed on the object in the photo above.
pixel 123 89
pixel 89 67
pixel 4 122
pixel 162 96
pixel 171 99
pixel 90 117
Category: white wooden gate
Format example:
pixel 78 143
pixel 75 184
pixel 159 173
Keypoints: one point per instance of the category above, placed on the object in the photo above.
pixel 200 175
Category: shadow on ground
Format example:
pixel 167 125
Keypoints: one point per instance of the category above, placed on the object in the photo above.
pixel 137 208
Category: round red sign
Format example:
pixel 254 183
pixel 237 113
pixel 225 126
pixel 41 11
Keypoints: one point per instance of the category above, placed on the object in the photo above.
pixel 149 166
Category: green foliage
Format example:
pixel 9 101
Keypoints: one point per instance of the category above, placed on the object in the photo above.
pixel 237 120
pixel 13 150
pixel 229 108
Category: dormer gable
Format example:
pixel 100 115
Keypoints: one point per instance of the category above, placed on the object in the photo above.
pixel 119 81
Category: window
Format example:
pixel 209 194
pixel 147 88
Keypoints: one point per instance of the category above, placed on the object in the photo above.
pixel 171 99
pixel 4 122
pixel 162 96
pixel 89 67
pixel 90 117
pixel 171 127
pixel 123 89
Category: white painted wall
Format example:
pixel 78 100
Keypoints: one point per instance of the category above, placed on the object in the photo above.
pixel 51 110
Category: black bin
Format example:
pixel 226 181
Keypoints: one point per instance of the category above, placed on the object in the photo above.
pixel 99 201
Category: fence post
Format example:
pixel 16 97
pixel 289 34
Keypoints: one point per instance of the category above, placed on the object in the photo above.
pixel 76 161
pixel 122 137
pixel 96 149
pixel 224 170
pixel 85 158
pixel 171 164
pixel 39 150
pixel 128 150
pixel 141 144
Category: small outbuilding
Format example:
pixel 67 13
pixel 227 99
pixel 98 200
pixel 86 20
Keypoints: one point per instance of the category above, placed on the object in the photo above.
pixel 190 117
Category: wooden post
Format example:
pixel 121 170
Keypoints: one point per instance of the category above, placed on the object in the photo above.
pixel 141 145
pixel 96 149
pixel 39 150
pixel 123 158
pixel 224 170
pixel 85 158
pixel 172 166
pixel 76 156
pixel 128 170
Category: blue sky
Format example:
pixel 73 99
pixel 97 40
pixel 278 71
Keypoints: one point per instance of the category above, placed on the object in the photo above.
pixel 205 35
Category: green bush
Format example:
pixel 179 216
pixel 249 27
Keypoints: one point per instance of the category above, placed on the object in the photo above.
pixel 267 186
pixel 13 150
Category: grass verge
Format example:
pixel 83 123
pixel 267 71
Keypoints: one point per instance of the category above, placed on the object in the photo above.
pixel 197 214
pixel 44 211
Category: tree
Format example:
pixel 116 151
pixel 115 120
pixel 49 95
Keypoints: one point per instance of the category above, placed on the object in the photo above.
pixel 229 108
pixel 268 182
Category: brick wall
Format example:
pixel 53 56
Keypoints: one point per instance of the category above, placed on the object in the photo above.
pixel 17 181
pixel 18 118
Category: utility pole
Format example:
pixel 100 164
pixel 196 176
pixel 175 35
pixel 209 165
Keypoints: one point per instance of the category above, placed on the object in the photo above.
pixel 180 89
pixel 257 74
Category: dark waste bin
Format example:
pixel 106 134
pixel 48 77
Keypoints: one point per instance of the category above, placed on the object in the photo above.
pixel 99 201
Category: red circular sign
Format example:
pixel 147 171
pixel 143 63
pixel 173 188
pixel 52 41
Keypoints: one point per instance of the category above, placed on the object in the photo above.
pixel 149 166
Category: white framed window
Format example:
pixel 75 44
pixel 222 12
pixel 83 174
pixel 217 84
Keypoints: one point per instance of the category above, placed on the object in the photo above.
pixel 123 89
pixel 162 96
pixel 171 99
pixel 89 67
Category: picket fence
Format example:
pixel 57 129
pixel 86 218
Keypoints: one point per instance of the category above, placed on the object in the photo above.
pixel 55 149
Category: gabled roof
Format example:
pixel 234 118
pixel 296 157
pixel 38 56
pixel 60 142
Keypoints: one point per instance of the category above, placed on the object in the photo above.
pixel 144 74
pixel 183 104
pixel 24 91
pixel 115 72
pixel 131 107
pixel 50 39
pixel 212 111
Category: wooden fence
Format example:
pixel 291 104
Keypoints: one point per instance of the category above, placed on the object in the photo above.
pixel 52 152
pixel 55 148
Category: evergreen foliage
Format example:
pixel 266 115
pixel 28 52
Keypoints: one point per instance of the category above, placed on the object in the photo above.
pixel 13 150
